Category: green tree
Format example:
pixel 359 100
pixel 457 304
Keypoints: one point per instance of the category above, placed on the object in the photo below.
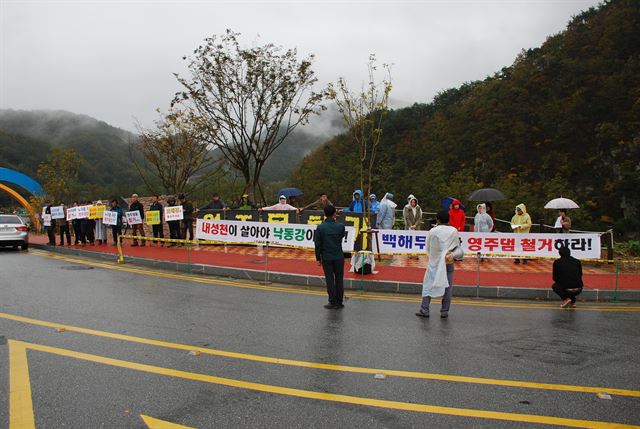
pixel 59 173
pixel 248 99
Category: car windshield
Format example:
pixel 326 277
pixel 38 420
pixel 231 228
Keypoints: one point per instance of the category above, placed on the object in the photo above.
pixel 10 219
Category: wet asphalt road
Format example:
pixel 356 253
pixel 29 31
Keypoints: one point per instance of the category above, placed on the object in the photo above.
pixel 583 348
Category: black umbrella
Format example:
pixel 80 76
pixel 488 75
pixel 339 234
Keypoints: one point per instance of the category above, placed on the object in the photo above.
pixel 486 194
pixel 289 192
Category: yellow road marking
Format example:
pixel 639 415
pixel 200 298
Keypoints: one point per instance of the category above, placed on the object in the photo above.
pixel 326 366
pixel 324 396
pixel 20 405
pixel 161 424
pixel 350 295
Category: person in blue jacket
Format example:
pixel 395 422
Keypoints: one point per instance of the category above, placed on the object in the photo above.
pixel 374 203
pixel 358 205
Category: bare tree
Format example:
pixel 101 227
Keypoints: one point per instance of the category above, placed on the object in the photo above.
pixel 248 99
pixel 177 151
pixel 363 114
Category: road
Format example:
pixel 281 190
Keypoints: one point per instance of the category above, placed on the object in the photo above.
pixel 87 344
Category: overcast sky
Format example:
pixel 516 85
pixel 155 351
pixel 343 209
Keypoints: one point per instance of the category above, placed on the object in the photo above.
pixel 114 60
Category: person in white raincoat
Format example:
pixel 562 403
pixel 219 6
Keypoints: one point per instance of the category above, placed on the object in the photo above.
pixel 438 279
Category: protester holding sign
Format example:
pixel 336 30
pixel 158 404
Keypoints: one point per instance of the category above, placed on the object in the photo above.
pixel 75 222
pixel 174 225
pixel 116 229
pixel 521 224
pixel 187 217
pixel 156 206
pixel 64 226
pixel 50 225
pixel 328 246
pixel 282 205
pixel 101 228
pixel 86 225
pixel 137 229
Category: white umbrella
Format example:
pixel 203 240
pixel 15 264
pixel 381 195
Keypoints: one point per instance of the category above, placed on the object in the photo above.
pixel 561 203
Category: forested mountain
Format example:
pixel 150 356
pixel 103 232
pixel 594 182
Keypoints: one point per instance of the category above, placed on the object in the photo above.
pixel 27 136
pixel 563 119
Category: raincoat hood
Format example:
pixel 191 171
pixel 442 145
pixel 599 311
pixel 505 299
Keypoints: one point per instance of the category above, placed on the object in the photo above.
pixel 454 202
pixel 482 208
pixel 412 197
pixel 388 198
pixel 521 207
pixel 358 192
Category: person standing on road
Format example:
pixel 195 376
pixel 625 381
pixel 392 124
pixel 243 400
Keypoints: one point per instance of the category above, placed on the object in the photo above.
pixel 567 277
pixel 438 279
pixel 328 245
pixel 158 231
pixel 137 229
pixel 521 224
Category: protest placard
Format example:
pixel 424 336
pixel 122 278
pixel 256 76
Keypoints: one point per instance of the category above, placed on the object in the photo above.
pixel 72 212
pixel 57 212
pixel 152 217
pixel 82 212
pixel 96 212
pixel 172 213
pixel 109 217
pixel 133 217
pixel 46 219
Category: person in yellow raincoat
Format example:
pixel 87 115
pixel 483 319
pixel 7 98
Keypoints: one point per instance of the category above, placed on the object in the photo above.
pixel 521 224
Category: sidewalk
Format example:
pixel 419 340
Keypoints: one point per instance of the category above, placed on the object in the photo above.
pixel 496 277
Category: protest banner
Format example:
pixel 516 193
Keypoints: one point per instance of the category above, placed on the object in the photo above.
pixel 82 212
pixel 72 212
pixel 152 217
pixel 583 246
pixel 110 217
pixel 46 219
pixel 96 212
pixel 297 235
pixel 133 217
pixel 172 213
pixel 57 212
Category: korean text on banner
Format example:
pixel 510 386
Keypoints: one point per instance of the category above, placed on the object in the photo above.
pixel 57 212
pixel 46 219
pixel 133 217
pixel 95 212
pixel 172 213
pixel 583 246
pixel 82 212
pixel 284 234
pixel 152 217
pixel 72 213
pixel 109 217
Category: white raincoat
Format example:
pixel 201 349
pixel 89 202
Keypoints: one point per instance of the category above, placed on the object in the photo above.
pixel 442 239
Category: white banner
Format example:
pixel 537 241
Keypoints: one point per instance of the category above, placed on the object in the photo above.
pixel 110 217
pixel 57 212
pixel 172 213
pixel 133 217
pixel 82 212
pixel 46 219
pixel 287 234
pixel 72 212
pixel 583 246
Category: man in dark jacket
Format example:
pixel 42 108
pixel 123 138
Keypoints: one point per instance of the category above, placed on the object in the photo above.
pixel 51 229
pixel 567 277
pixel 215 204
pixel 158 230
pixel 137 229
pixel 187 218
pixel 328 243
pixel 174 225
pixel 116 230
pixel 319 204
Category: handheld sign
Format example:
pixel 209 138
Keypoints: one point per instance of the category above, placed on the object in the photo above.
pixel 172 213
pixel 109 217
pixel 72 213
pixel 46 219
pixel 95 212
pixel 152 217
pixel 133 218
pixel 57 212
pixel 82 212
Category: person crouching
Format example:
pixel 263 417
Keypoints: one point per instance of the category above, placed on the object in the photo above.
pixel 567 277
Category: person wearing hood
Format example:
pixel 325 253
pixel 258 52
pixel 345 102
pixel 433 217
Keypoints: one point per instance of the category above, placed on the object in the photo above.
pixel 374 203
pixel 358 205
pixel 101 228
pixel 244 203
pixel 521 224
pixel 443 239
pixel 412 214
pixel 482 222
pixel 456 216
pixel 282 205
pixel 386 213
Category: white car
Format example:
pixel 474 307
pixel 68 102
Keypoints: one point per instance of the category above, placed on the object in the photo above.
pixel 13 232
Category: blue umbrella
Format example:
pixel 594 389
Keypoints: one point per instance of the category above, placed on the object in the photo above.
pixel 446 202
pixel 289 192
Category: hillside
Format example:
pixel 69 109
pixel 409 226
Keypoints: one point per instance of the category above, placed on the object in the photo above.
pixel 564 118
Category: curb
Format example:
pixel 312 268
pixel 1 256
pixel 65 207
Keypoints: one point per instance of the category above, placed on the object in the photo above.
pixel 349 284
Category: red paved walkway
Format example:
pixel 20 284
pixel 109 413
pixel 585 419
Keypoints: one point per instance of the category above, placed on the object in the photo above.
pixel 494 272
